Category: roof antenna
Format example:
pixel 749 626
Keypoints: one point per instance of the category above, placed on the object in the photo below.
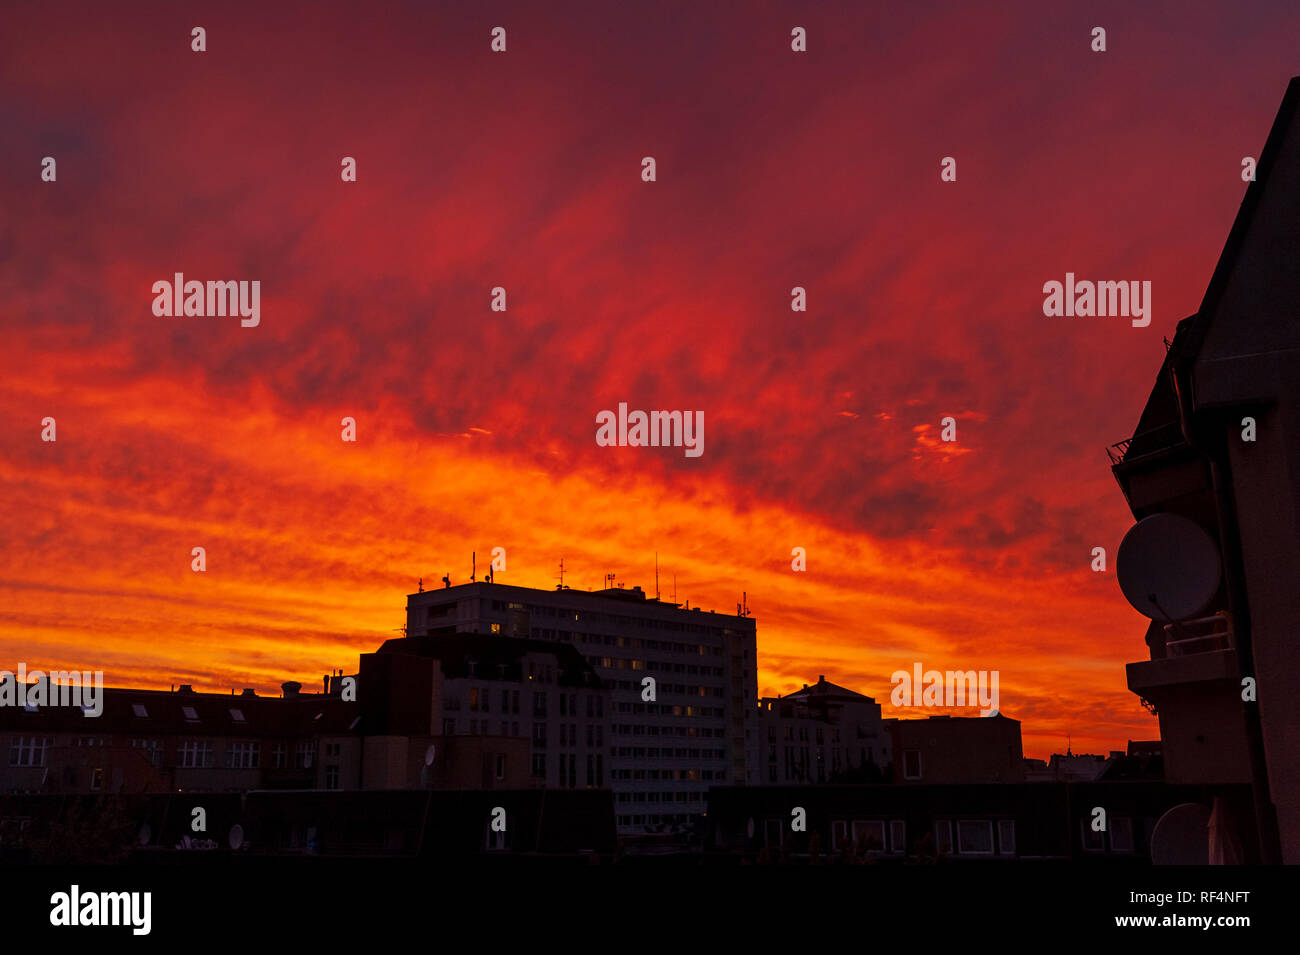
pixel 446 579
pixel 421 585
pixel 561 587
pixel 656 575
pixel 473 565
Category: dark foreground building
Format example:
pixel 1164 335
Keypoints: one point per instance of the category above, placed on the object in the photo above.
pixel 923 823
pixel 81 829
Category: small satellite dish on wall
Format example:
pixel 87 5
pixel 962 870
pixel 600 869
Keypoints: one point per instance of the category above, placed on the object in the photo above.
pixel 146 833
pixel 236 836
pixel 1168 567
pixel 749 827
pixel 429 754
pixel 1182 836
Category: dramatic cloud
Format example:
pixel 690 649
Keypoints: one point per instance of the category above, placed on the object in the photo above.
pixel 476 428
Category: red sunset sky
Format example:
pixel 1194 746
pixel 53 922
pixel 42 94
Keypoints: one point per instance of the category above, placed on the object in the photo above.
pixel 476 428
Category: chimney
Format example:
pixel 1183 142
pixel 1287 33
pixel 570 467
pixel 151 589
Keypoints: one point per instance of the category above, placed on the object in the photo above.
pixel 186 688
pixel 290 688
pixel 248 691
pixel 326 687
pixel 821 677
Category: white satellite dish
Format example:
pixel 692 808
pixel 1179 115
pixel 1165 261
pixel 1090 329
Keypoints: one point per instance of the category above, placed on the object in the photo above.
pixel 1182 836
pixel 429 754
pixel 1168 567
pixel 236 836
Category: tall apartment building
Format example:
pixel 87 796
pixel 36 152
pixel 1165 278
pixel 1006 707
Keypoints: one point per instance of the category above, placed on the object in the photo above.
pixel 822 733
pixel 1217 445
pixel 697 731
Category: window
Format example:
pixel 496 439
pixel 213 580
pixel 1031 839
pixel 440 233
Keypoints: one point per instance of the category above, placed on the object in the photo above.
pixel 839 834
pixel 152 750
pixel 1007 837
pixel 1121 834
pixel 869 835
pixel 195 754
pixel 898 835
pixel 331 749
pixel 943 836
pixel 496 628
pixel 975 837
pixel 911 764
pixel 237 716
pixel 139 710
pixel 28 751
pixel 501 766
pixel 539 764
pixel 277 755
pixel 96 779
pixel 448 727
pixel 539 734
pixel 539 704
pixel 473 699
pixel 304 756
pixel 191 716
pixel 1092 840
pixel 242 755
pixel 331 777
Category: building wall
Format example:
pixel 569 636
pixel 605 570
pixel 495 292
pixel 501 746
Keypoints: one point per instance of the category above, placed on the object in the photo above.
pixel 665 754
pixel 1250 360
pixel 799 747
pixel 957 750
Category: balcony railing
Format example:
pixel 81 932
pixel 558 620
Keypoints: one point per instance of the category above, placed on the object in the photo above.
pixel 1156 439
pixel 1202 635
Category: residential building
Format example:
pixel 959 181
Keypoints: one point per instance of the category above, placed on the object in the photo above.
pixel 1218 444
pixel 822 733
pixel 683 683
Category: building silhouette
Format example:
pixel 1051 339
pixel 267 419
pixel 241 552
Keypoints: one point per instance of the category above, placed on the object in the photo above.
pixel 698 730
pixel 1218 444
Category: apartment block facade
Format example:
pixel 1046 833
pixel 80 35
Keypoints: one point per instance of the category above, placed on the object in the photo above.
pixel 683 684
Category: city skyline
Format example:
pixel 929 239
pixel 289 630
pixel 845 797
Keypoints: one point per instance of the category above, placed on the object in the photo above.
pixel 476 428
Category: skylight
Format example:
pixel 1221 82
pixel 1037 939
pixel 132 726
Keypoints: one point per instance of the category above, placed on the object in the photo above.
pixel 190 714
pixel 139 710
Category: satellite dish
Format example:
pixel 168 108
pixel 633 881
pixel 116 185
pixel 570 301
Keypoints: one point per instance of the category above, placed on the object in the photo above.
pixel 429 754
pixel 1168 567
pixel 1182 836
pixel 236 836
pixel 749 827
pixel 146 833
